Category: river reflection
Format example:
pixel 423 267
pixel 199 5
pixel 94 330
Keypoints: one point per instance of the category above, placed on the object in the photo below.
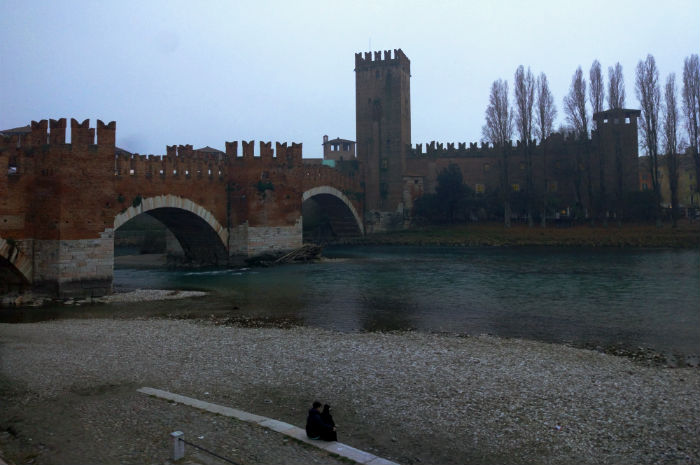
pixel 633 297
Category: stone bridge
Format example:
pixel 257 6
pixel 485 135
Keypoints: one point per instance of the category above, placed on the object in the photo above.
pixel 60 203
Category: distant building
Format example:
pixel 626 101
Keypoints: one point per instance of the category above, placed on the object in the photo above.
pixel 338 149
pixel 688 197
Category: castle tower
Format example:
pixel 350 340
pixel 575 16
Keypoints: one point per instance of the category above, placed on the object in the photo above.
pixel 383 125
pixel 616 139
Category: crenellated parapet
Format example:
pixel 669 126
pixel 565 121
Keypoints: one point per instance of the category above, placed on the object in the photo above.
pixel 20 148
pixel 183 161
pixel 370 60
pixel 53 132
pixel 484 149
pixel 282 153
pixel 451 149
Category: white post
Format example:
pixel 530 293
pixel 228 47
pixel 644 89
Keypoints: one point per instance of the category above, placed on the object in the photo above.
pixel 178 445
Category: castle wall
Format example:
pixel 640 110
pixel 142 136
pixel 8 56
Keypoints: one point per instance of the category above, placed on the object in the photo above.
pixel 561 166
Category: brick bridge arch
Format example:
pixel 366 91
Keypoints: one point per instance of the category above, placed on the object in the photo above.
pixel 332 191
pixel 200 234
pixel 18 261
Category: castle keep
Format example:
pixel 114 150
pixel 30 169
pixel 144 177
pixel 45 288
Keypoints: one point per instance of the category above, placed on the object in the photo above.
pixel 61 202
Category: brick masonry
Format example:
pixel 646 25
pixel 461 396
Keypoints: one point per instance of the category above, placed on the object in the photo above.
pixel 60 202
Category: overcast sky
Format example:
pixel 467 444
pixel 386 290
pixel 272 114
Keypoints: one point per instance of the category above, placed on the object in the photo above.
pixel 201 73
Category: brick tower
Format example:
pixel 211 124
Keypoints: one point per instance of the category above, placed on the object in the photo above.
pixel 383 124
pixel 615 138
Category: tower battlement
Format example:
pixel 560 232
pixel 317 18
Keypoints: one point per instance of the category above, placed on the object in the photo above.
pixel 53 132
pixel 369 60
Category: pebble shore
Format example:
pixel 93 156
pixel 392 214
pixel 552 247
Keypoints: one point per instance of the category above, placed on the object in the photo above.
pixel 68 395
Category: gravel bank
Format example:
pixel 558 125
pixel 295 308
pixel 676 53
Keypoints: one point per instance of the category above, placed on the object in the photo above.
pixel 409 397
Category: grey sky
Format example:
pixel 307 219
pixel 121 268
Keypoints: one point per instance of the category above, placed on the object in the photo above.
pixel 201 73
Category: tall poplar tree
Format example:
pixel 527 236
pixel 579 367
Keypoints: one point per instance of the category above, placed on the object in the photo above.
pixel 544 119
pixel 524 88
pixel 649 95
pixel 670 133
pixel 577 117
pixel 691 109
pixel 616 87
pixel 597 99
pixel 499 130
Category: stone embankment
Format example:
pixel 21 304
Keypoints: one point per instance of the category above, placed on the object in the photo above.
pixel 68 395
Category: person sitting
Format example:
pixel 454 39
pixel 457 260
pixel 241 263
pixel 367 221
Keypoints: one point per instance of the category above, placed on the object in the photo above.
pixel 327 418
pixel 316 428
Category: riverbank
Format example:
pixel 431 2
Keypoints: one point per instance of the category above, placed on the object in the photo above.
pixel 687 235
pixel 29 299
pixel 68 395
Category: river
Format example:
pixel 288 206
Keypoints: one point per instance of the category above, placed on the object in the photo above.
pixel 583 296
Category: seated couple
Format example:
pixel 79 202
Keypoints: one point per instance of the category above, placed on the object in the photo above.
pixel 320 424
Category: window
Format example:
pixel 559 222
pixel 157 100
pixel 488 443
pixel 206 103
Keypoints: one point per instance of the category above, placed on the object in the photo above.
pixel 480 188
pixel 385 163
pixel 552 186
pixel 645 186
pixel 487 166
pixel 516 187
pixel 522 166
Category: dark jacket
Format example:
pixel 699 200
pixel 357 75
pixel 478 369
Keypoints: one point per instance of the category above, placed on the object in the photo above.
pixel 315 427
pixel 326 416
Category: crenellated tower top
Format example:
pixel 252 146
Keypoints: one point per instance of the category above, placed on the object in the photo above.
pixel 370 60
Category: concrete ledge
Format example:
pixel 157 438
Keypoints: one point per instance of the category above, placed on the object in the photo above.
pixel 292 431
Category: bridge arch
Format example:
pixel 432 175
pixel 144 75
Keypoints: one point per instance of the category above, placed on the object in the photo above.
pixel 333 200
pixel 202 237
pixel 15 266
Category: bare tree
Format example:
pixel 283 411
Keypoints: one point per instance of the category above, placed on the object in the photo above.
pixel 670 138
pixel 577 117
pixel 649 95
pixel 499 130
pixel 616 87
pixel 691 109
pixel 524 103
pixel 616 101
pixel 575 105
pixel 597 87
pixel 597 99
pixel 544 119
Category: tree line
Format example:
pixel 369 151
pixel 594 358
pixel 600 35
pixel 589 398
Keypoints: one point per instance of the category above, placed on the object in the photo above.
pixel 667 129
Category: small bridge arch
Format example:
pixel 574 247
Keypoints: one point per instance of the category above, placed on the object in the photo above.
pixel 342 214
pixel 202 237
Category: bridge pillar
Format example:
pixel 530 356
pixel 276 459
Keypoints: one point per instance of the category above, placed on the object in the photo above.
pixel 74 268
pixel 249 241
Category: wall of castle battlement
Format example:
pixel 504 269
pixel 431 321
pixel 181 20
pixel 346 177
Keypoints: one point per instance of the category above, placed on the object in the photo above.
pixel 484 149
pixel 372 59
pixel 54 132
pixel 184 161
pixel 282 152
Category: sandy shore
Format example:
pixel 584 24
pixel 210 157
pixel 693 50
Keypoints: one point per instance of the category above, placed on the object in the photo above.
pixel 68 395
